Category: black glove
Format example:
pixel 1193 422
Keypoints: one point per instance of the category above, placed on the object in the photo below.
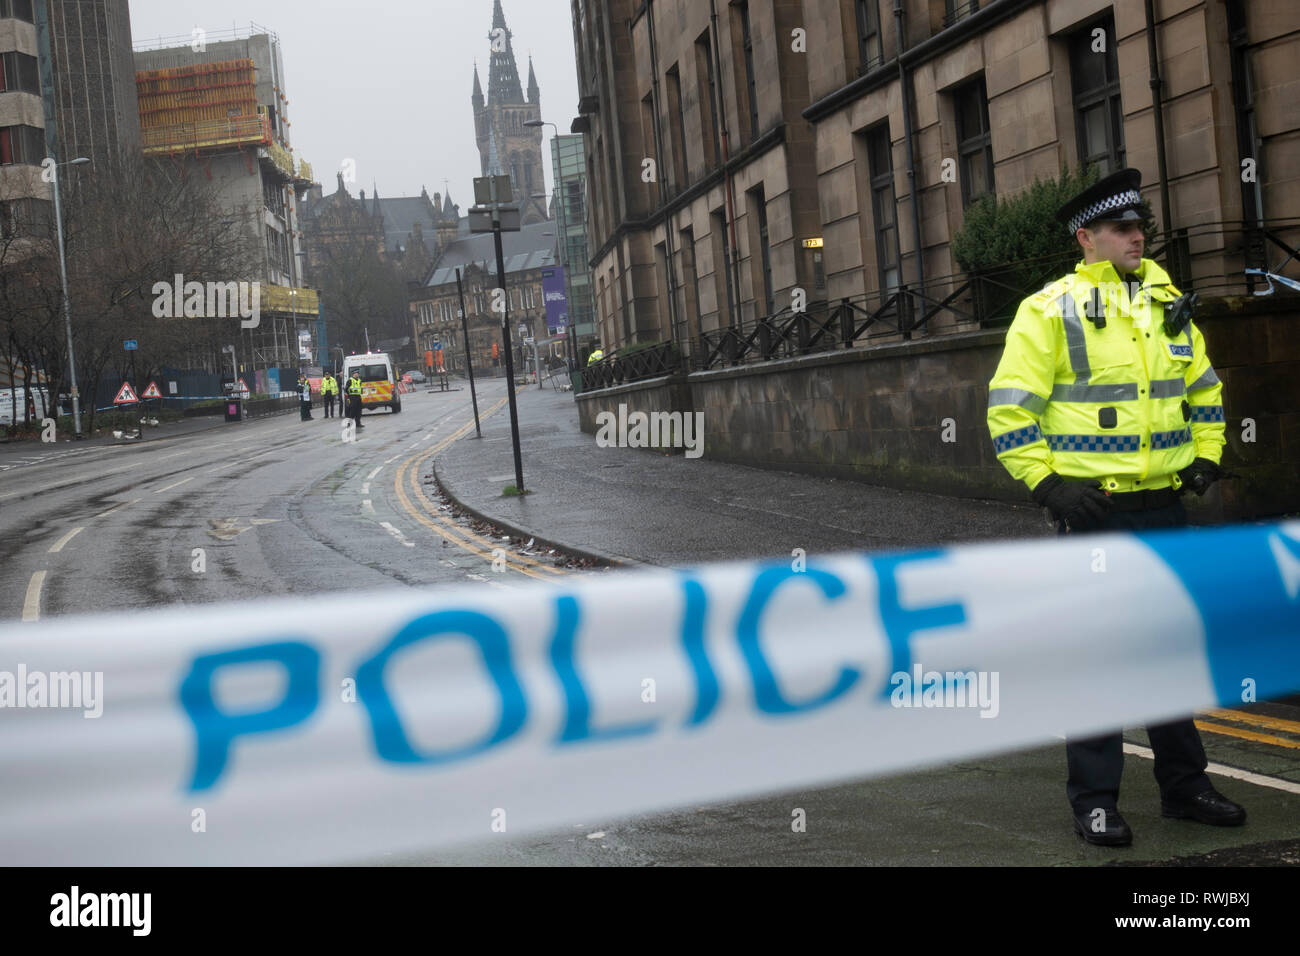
pixel 1080 504
pixel 1200 474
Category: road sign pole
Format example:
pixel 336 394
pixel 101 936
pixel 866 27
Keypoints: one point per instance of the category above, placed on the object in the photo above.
pixel 469 362
pixel 510 361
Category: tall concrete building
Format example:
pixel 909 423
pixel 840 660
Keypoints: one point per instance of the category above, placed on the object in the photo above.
pixel 94 80
pixel 807 145
pixel 93 101
pixel 221 107
pixel 506 146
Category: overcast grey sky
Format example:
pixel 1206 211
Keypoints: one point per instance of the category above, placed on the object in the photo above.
pixel 388 83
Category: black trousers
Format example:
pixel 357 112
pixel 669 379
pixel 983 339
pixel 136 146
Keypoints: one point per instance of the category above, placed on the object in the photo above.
pixel 1096 763
pixel 354 409
pixel 329 405
pixel 305 408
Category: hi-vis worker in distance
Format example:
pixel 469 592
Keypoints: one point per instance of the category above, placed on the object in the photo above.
pixel 595 357
pixel 354 398
pixel 328 389
pixel 1106 406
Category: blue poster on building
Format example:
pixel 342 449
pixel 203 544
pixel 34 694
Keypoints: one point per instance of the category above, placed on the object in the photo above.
pixel 557 305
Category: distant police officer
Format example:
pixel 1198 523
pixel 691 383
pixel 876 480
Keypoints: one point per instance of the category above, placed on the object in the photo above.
pixel 304 398
pixel 595 356
pixel 354 398
pixel 328 389
pixel 1106 406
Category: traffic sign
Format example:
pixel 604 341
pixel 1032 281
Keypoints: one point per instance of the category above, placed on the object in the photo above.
pixel 243 388
pixel 152 391
pixel 125 395
pixel 130 345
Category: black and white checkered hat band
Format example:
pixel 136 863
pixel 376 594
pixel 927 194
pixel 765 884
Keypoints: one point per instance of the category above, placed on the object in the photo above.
pixel 1128 197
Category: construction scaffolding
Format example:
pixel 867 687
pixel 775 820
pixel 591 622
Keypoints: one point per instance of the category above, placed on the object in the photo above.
pixel 201 106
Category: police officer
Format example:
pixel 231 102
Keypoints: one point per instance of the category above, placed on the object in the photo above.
pixel 595 356
pixel 1106 406
pixel 328 389
pixel 354 398
pixel 304 397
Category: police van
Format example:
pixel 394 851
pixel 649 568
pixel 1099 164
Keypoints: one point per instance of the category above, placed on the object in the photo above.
pixel 378 380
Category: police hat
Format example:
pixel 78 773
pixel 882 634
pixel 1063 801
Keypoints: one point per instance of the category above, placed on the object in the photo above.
pixel 1113 199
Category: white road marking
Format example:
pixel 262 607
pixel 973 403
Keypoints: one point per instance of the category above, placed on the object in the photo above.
pixel 1259 779
pixel 105 514
pixel 428 436
pixel 368 507
pixel 58 545
pixel 32 604
pixel 396 533
pixel 177 485
pixel 365 489
pixel 371 476
pixel 389 461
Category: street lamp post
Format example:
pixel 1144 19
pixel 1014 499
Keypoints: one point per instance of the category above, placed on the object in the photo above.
pixel 67 306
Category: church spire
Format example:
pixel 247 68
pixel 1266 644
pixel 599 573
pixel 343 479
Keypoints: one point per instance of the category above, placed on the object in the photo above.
pixel 534 93
pixel 503 72
pixel 477 98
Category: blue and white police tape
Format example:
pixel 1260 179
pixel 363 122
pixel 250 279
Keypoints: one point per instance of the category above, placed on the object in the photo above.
pixel 342 728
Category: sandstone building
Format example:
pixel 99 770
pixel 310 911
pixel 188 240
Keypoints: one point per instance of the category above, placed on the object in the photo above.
pixel 738 151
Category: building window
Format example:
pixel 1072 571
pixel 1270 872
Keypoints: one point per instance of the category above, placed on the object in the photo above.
pixel 974 143
pixel 1099 118
pixel 650 132
pixel 721 268
pixel 22 144
pixel 17 9
pixel 758 207
pixel 1248 141
pixel 679 125
pixel 691 282
pixel 18 73
pixel 955 10
pixel 880 163
pixel 870 51
pixel 708 92
pixel 747 52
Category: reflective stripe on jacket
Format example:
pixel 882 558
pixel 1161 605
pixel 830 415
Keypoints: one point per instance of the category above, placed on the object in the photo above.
pixel 354 386
pixel 1125 404
pixel 328 386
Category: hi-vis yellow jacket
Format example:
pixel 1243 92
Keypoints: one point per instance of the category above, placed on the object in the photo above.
pixel 1125 404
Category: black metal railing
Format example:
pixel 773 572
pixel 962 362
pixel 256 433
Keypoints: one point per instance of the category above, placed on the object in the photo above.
pixel 651 361
pixel 982 300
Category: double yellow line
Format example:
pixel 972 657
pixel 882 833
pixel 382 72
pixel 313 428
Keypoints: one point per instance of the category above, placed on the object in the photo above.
pixel 1252 720
pixel 427 513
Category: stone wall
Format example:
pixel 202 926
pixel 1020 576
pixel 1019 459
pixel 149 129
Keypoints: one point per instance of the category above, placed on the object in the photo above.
pixel 878 414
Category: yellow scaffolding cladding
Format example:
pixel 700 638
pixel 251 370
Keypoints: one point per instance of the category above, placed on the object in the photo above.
pixel 201 105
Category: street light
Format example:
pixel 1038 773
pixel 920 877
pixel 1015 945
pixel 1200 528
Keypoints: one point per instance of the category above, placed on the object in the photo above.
pixel 67 307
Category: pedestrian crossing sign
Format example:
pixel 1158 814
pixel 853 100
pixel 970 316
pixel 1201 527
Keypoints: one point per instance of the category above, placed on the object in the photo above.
pixel 125 395
pixel 152 391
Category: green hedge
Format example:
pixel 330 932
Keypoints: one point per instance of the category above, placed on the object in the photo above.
pixel 1018 243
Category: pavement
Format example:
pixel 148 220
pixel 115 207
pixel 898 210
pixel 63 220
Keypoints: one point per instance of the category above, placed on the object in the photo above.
pixel 631 506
